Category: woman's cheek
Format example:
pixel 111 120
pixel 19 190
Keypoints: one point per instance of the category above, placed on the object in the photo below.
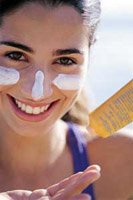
pixel 8 77
pixel 68 82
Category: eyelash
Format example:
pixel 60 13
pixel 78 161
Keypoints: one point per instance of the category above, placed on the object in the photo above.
pixel 12 53
pixel 68 59
pixel 21 55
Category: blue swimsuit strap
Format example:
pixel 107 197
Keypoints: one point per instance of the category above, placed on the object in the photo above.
pixel 78 146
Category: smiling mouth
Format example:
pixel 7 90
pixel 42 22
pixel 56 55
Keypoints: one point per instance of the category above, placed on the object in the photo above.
pixel 29 109
pixel 29 113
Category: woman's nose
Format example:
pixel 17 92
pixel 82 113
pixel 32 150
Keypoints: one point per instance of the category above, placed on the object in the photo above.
pixel 40 87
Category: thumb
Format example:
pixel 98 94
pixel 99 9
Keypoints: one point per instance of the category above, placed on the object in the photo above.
pixel 90 130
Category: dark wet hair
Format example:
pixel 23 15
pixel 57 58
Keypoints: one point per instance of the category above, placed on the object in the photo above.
pixel 90 11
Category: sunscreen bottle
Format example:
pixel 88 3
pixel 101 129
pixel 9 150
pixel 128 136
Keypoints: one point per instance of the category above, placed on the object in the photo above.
pixel 115 113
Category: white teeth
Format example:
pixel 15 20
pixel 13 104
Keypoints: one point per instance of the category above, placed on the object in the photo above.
pixel 30 110
pixel 44 108
pixel 19 104
pixel 36 110
pixel 23 108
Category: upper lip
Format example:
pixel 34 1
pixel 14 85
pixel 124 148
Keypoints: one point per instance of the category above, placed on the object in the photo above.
pixel 35 104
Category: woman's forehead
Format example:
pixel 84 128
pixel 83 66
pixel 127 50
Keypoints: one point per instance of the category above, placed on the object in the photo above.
pixel 44 27
pixel 31 16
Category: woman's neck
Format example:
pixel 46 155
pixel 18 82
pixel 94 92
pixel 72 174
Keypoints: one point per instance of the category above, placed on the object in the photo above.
pixel 23 155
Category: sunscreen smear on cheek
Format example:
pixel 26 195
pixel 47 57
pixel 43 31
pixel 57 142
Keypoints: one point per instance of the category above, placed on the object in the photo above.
pixel 115 113
pixel 8 76
pixel 38 89
pixel 68 82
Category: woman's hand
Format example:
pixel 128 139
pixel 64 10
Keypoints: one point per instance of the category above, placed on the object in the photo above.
pixel 91 131
pixel 15 195
pixel 68 189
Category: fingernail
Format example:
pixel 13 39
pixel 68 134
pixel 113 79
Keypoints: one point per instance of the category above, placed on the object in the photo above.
pixel 95 167
pixel 98 167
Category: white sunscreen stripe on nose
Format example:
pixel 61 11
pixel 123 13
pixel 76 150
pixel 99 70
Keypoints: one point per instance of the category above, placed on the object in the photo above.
pixel 37 90
pixel 68 82
pixel 8 76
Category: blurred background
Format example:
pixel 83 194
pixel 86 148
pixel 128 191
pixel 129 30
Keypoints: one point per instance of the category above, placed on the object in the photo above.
pixel 111 64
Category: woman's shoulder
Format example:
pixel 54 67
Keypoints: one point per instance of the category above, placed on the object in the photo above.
pixel 116 140
pixel 119 145
pixel 114 155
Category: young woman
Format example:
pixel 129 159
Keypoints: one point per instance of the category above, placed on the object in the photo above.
pixel 44 58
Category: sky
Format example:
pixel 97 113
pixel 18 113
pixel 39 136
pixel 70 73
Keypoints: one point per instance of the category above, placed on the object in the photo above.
pixel 118 7
pixel 111 63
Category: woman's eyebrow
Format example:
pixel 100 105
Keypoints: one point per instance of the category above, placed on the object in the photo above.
pixel 67 51
pixel 30 50
pixel 17 45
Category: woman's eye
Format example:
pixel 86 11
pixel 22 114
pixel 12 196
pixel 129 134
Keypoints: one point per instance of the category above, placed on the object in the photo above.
pixel 66 61
pixel 16 56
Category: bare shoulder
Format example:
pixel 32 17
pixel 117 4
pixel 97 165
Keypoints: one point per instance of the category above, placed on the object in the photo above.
pixel 119 145
pixel 114 154
pixel 121 138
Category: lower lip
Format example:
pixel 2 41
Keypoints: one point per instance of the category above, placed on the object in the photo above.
pixel 32 117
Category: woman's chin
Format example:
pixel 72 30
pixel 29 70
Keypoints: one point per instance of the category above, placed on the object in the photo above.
pixel 25 130
pixel 29 133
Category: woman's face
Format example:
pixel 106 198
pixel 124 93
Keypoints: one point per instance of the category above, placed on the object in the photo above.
pixel 35 40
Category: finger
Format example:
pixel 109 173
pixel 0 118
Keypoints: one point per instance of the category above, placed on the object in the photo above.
pixel 4 197
pixel 76 188
pixel 37 194
pixel 81 197
pixel 57 187
pixel 43 198
pixel 52 190
pixel 91 131
pixel 93 167
pixel 15 194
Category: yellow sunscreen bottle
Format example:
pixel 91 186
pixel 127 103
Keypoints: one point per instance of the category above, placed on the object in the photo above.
pixel 115 113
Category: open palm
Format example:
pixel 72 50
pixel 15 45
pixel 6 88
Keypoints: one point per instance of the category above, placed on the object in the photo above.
pixel 68 189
